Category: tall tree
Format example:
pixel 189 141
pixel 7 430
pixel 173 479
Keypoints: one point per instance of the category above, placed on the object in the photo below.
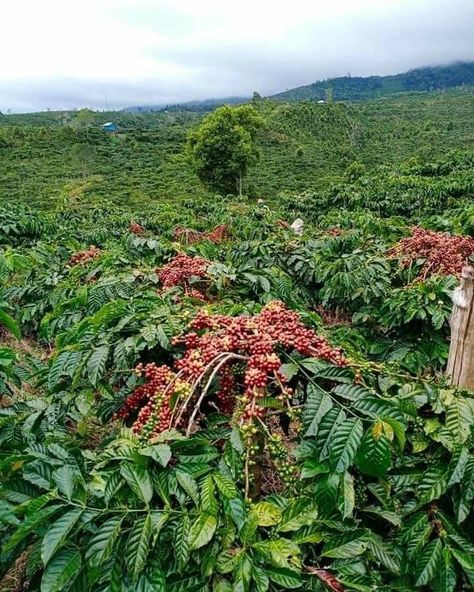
pixel 223 147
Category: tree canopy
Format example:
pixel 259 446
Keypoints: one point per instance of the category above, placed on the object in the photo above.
pixel 224 146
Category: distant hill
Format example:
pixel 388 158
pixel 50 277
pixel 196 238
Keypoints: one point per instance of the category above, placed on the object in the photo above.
pixel 356 88
pixel 196 106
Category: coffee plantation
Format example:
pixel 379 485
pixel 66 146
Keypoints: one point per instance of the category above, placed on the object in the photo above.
pixel 193 397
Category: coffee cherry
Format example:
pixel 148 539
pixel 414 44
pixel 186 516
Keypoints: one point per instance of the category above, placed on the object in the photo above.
pixel 443 253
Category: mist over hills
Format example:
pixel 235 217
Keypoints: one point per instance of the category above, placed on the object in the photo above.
pixel 346 88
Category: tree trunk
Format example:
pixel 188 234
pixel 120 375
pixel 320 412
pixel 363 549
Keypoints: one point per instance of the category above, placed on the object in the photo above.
pixel 461 352
pixel 240 184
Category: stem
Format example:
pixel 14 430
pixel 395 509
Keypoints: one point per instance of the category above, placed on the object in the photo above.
pixel 228 355
pixel 329 394
pixel 204 392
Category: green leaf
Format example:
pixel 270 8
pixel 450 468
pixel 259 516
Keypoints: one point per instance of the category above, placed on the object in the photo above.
pixel 466 492
pixel 139 481
pixel 249 528
pixel 281 552
pixel 399 429
pixel 429 562
pixel 318 403
pixel 227 560
pixel 64 365
pixel 384 553
pixel 346 545
pixel 373 457
pixel 66 478
pixel 416 535
pixel 188 483
pixel 114 483
pixel 348 495
pixel 9 323
pixel 388 515
pixel 458 465
pixel 62 569
pixel 308 534
pixel 96 363
pixel 236 440
pixel 465 559
pixel 312 467
pixel 159 452
pixel 153 580
pixel 434 483
pixel 208 498
pixel 181 541
pixel 138 546
pixel 242 575
pixel 225 485
pixel 289 370
pixel 103 541
pixel 222 586
pixel 260 579
pixel 202 531
pixel 344 443
pixel 288 579
pixel 57 534
pixel 459 418
pixel 7 357
pixel 267 514
pixel 445 580
pixel 376 408
pixel 301 512
pixel 29 526
pixel 235 508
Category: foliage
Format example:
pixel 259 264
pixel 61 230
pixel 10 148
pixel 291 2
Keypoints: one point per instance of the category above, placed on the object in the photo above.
pixel 313 144
pixel 206 401
pixel 357 88
pixel 223 147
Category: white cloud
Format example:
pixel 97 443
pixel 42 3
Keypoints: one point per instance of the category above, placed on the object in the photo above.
pixel 68 53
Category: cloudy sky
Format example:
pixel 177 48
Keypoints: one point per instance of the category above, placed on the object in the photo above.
pixel 69 53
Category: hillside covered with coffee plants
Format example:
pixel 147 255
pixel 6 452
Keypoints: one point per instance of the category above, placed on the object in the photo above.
pixel 304 147
pixel 193 398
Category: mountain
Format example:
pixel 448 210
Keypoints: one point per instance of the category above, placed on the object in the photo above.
pixel 197 106
pixel 357 88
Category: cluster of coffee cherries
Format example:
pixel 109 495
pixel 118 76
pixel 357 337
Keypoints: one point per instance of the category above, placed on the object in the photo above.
pixel 255 341
pixel 334 232
pixel 150 402
pixel 278 453
pixel 241 353
pixel 189 236
pixel 444 254
pixel 136 228
pixel 82 257
pixel 181 269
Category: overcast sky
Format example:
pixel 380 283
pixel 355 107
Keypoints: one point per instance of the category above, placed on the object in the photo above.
pixel 72 53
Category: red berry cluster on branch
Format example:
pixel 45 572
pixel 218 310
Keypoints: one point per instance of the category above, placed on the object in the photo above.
pixel 82 257
pixel 239 356
pixel 334 231
pixel 219 234
pixel 189 236
pixel 136 228
pixel 181 269
pixel 444 254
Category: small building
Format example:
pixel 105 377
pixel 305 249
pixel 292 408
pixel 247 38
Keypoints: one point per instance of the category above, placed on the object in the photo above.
pixel 110 126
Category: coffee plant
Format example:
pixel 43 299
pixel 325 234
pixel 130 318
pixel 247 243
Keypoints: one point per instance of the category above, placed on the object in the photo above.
pixel 204 401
